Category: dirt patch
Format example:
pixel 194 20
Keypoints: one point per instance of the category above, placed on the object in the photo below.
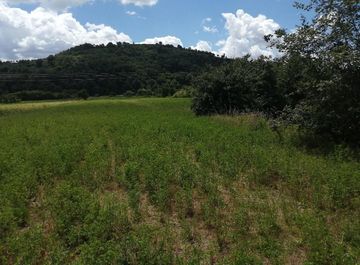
pixel 298 257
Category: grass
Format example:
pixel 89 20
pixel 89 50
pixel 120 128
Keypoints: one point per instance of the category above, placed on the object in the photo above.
pixel 144 181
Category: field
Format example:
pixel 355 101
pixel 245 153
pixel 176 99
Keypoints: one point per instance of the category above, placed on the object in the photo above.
pixel 144 181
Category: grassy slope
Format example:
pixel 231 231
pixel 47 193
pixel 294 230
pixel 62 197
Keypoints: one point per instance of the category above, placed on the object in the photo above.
pixel 143 181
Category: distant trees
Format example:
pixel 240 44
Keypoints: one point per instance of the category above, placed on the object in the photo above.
pixel 144 92
pixel 8 99
pixel 83 94
pixel 101 70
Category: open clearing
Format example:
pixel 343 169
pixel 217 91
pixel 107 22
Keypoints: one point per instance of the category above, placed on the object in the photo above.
pixel 144 181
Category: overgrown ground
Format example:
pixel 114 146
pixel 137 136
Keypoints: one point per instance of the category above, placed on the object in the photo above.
pixel 144 181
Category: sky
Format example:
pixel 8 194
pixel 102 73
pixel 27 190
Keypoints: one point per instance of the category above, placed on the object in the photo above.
pixel 37 28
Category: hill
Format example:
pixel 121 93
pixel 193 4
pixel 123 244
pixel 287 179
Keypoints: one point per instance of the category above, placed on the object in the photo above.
pixel 89 70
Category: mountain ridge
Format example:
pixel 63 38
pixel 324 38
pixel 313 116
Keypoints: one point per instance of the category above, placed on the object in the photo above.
pixel 101 70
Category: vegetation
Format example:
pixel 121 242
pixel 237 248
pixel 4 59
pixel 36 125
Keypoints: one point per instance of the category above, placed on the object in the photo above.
pixel 243 85
pixel 328 95
pixel 145 181
pixel 315 85
pixel 92 70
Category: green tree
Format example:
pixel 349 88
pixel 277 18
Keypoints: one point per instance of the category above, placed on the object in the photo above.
pixel 243 85
pixel 83 94
pixel 326 99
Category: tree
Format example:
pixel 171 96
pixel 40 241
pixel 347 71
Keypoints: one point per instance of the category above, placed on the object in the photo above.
pixel 328 47
pixel 243 85
pixel 332 34
pixel 39 63
pixel 83 94
pixel 51 59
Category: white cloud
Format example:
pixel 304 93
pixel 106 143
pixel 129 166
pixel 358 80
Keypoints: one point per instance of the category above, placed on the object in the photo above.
pixel 206 20
pixel 246 35
pixel 220 43
pixel 139 2
pixel 51 4
pixel 42 32
pixel 210 29
pixel 61 5
pixel 167 40
pixel 131 13
pixel 202 46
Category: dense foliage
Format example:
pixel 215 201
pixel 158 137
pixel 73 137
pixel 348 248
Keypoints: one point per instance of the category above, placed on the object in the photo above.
pixel 89 70
pixel 241 86
pixel 316 84
pixel 328 50
pixel 144 181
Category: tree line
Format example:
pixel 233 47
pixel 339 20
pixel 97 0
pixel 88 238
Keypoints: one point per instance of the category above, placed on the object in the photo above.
pixel 315 85
pixel 103 70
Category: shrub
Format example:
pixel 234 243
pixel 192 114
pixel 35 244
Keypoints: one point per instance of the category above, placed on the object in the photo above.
pixel 129 93
pixel 185 92
pixel 83 94
pixel 244 85
pixel 144 92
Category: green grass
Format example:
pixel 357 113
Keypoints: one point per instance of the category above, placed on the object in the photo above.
pixel 144 181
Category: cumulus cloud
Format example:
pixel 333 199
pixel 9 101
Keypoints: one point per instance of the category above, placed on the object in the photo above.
pixel 61 5
pixel 42 32
pixel 246 35
pixel 202 46
pixel 139 2
pixel 167 40
pixel 51 4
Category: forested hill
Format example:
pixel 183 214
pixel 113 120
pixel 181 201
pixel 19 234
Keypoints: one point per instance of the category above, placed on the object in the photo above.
pixel 114 69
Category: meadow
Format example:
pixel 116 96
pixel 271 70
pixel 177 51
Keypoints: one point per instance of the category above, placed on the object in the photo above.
pixel 145 181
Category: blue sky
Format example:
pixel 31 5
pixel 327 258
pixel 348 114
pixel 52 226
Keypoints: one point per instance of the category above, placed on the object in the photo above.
pixel 182 18
pixel 189 21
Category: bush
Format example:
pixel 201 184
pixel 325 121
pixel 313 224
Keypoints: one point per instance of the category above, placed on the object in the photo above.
pixel 186 92
pixel 328 102
pixel 83 94
pixel 129 93
pixel 144 92
pixel 241 86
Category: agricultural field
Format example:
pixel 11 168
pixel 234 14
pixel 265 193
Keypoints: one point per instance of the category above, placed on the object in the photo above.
pixel 145 181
